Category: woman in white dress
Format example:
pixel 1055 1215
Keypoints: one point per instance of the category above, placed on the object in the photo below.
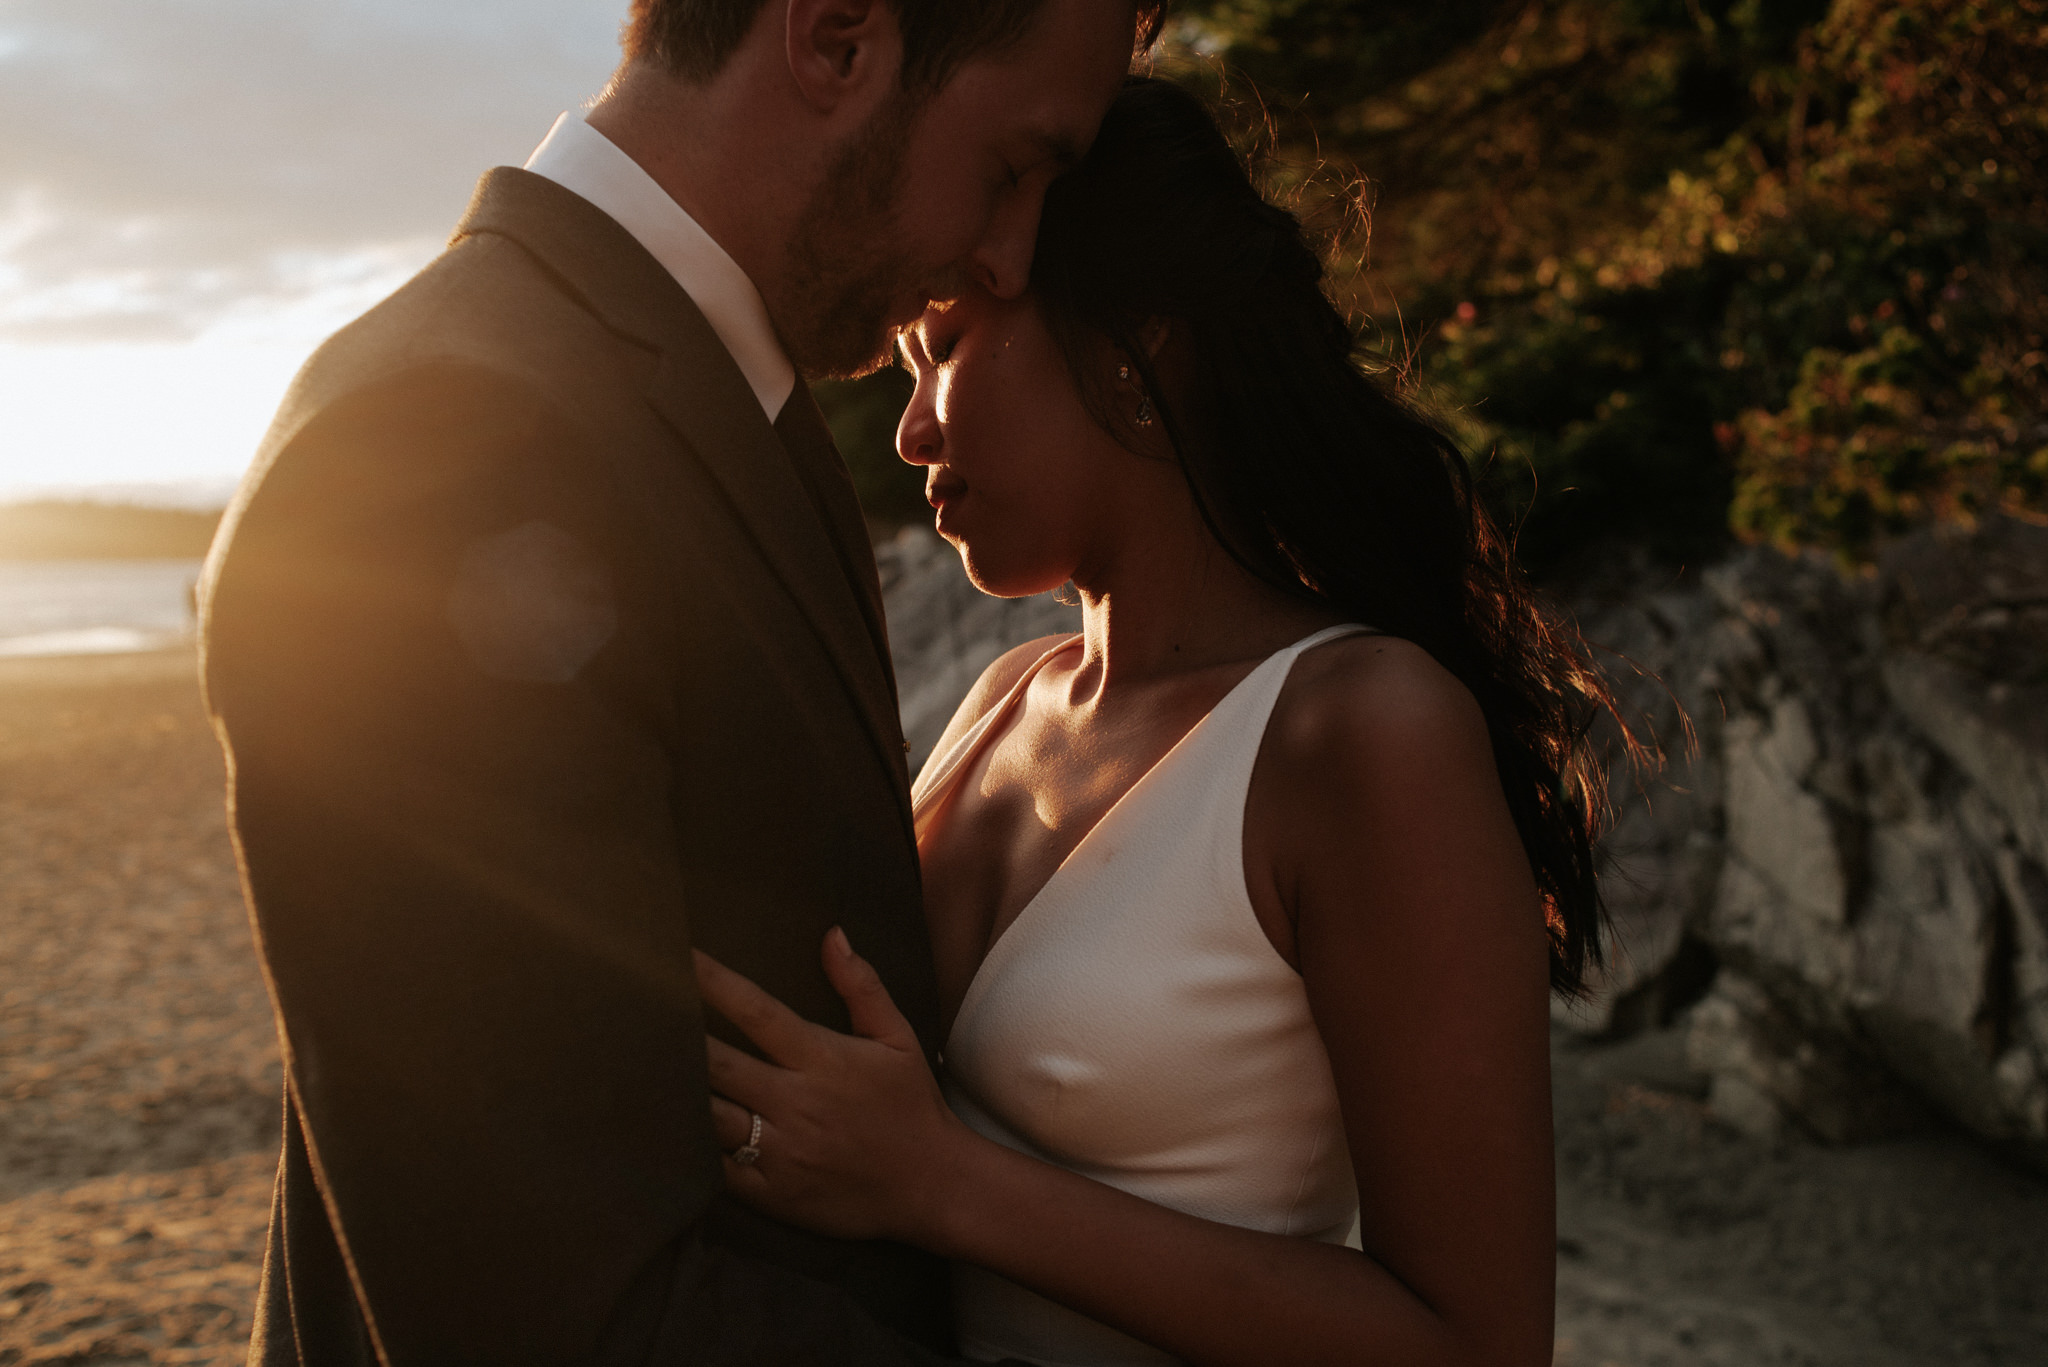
pixel 1247 900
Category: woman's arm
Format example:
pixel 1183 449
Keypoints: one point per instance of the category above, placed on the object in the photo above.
pixel 1423 948
pixel 1424 956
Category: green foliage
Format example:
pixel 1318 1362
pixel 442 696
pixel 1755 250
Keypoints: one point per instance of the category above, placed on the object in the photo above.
pixel 1927 198
pixel 1687 267
pixel 862 415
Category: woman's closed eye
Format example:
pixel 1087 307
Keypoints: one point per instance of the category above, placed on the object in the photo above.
pixel 924 349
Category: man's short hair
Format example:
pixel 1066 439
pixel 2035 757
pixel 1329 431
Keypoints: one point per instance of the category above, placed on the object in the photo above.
pixel 693 38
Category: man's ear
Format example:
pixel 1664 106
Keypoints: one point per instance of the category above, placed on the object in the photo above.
pixel 842 50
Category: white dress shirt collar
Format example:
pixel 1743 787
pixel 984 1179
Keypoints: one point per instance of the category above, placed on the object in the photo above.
pixel 579 158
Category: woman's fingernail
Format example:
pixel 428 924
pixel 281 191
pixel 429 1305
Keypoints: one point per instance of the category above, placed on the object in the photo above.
pixel 840 943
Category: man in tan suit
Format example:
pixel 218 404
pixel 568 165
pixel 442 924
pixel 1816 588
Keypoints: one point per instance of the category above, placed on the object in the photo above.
pixel 545 643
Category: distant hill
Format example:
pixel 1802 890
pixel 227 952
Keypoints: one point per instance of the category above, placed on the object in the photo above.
pixel 53 530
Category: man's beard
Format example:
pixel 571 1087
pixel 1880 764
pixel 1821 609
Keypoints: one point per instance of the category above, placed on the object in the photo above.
pixel 842 279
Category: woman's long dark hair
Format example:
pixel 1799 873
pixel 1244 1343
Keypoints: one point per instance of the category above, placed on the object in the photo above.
pixel 1311 470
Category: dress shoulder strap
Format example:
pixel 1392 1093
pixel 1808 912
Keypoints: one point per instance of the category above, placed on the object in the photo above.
pixel 1238 725
pixel 941 769
pixel 1331 634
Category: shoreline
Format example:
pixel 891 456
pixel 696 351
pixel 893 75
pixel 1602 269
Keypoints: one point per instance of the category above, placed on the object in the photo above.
pixel 88 669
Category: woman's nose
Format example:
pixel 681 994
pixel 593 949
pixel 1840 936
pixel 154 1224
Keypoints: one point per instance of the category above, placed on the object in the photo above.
pixel 918 436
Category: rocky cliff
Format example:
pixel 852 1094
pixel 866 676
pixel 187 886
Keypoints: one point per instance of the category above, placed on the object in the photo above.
pixel 944 632
pixel 1847 870
pixel 1839 884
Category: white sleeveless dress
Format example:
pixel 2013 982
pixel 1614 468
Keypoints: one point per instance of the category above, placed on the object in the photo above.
pixel 1135 1025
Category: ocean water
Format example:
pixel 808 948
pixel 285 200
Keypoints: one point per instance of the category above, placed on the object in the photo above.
pixel 94 607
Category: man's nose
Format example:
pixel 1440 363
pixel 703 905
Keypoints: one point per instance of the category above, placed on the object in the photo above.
pixel 1002 263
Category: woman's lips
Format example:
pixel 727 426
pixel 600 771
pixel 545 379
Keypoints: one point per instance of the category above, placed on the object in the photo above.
pixel 942 487
pixel 944 490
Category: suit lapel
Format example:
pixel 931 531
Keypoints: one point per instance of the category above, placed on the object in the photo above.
pixel 700 391
pixel 735 442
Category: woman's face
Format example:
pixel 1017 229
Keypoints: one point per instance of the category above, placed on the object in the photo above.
pixel 1023 478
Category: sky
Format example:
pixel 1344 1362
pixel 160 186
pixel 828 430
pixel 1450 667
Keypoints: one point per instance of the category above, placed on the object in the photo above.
pixel 193 193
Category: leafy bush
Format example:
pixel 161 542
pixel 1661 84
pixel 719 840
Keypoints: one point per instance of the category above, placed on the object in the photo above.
pixel 862 415
pixel 1687 267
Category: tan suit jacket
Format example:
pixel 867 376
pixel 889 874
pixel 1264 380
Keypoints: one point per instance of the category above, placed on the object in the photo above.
pixel 539 656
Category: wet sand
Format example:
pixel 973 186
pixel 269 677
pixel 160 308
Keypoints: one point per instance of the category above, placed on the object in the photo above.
pixel 138 1112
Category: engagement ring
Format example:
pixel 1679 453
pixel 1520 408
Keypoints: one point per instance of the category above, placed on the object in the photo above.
pixel 748 1153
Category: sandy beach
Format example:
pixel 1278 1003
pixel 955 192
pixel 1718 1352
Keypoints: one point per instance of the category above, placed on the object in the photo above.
pixel 138 1064
pixel 139 1075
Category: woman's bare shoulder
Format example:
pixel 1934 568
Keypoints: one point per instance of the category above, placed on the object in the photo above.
pixel 995 682
pixel 1377 791
pixel 1380 702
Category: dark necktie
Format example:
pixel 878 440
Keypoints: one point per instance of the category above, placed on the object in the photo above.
pixel 811 450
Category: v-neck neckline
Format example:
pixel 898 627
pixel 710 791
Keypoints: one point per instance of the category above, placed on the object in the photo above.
pixel 976 741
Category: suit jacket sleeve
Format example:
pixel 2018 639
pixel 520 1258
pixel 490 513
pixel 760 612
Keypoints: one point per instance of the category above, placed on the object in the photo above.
pixel 437 662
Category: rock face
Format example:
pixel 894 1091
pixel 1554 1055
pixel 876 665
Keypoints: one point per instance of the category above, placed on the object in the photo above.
pixel 1851 863
pixel 943 631
pixel 1840 881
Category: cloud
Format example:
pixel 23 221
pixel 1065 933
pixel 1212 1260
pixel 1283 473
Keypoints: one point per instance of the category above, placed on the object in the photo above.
pixel 173 163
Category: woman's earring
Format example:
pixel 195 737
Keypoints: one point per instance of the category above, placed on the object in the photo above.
pixel 1123 372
